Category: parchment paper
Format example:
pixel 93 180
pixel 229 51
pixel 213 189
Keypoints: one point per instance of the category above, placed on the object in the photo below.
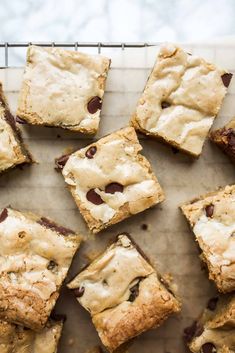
pixel 168 241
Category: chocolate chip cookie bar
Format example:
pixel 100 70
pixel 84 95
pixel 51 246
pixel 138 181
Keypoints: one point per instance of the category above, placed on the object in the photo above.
pixel 214 332
pixel 35 256
pixel 12 149
pixel 110 180
pixel 17 339
pixel 181 99
pixel 123 293
pixel 212 219
pixel 225 139
pixel 63 88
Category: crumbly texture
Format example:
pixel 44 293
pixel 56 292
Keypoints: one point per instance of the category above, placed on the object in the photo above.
pixel 65 81
pixel 119 179
pixel 35 256
pixel 12 149
pixel 216 329
pixel 225 139
pixel 17 339
pixel 123 294
pixel 181 99
pixel 212 219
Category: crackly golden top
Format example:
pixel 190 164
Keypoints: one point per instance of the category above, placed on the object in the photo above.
pixel 116 160
pixel 16 339
pixel 107 280
pixel 65 81
pixel 33 257
pixel 193 90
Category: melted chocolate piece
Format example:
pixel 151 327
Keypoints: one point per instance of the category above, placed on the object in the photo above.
pixel 91 152
pixel 212 303
pixel 144 226
pixel 79 292
pixel 3 215
pixel 20 120
pixel 208 348
pixel 209 210
pixel 226 78
pixel 47 223
pixel 175 150
pixel 61 161
pixel 52 265
pixel 113 187
pixel 192 331
pixel 134 292
pixel 231 138
pixel 93 197
pixel 94 105
pixel 165 105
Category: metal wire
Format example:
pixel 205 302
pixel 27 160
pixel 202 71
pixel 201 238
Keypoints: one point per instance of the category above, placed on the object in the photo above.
pixel 75 45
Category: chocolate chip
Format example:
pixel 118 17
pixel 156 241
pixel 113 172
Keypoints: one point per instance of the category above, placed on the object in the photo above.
pixel 61 161
pixel 53 226
pixel 79 292
pixel 113 187
pixel 195 330
pixel 94 104
pixel 144 226
pixel 91 152
pixel 226 78
pixel 51 266
pixel 208 348
pixel 212 303
pixel 209 210
pixel 20 120
pixel 165 105
pixel 231 138
pixel 93 197
pixel 3 215
pixel 134 292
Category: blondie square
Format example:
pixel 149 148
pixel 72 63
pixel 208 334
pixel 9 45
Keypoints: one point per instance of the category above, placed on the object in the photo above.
pixel 123 293
pixel 110 180
pixel 35 256
pixel 63 88
pixel 182 96
pixel 212 219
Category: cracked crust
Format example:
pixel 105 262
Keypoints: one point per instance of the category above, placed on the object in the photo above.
pixel 117 160
pixel 123 294
pixel 182 96
pixel 66 81
pixel 15 339
pixel 34 260
pixel 212 219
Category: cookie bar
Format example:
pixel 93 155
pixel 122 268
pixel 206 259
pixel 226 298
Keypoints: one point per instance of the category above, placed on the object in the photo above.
pixel 110 180
pixel 181 99
pixel 225 139
pixel 214 332
pixel 15 339
pixel 63 88
pixel 12 149
pixel 35 256
pixel 123 293
pixel 212 219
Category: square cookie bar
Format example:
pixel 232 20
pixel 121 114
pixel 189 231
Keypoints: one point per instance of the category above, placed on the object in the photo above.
pixel 214 332
pixel 12 149
pixel 225 139
pixel 63 88
pixel 123 293
pixel 35 256
pixel 17 339
pixel 110 180
pixel 212 219
pixel 181 99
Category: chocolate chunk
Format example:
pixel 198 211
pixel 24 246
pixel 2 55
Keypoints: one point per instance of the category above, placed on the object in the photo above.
pixel 91 152
pixel 94 104
pixel 212 303
pixel 226 78
pixel 93 197
pixel 165 105
pixel 208 348
pixel 3 215
pixel 144 226
pixel 52 265
pixel 134 292
pixel 231 138
pixel 79 292
pixel 113 187
pixel 61 161
pixel 20 120
pixel 209 210
pixel 53 226
pixel 192 331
